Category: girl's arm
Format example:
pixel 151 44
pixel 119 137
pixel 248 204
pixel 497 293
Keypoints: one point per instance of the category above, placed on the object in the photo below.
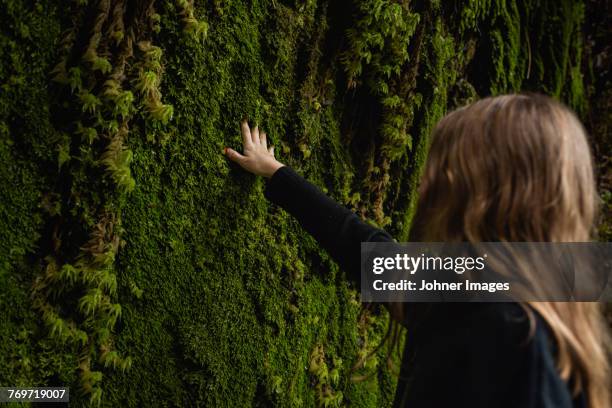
pixel 338 230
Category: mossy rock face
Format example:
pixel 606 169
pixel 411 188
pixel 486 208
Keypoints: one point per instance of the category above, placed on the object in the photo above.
pixel 138 265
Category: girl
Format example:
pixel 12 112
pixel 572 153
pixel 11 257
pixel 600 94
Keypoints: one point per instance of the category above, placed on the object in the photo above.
pixel 506 168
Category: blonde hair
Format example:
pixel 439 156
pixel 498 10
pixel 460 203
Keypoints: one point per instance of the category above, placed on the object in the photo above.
pixel 519 168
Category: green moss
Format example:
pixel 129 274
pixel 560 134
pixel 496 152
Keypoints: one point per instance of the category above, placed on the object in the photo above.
pixel 223 297
pixel 28 148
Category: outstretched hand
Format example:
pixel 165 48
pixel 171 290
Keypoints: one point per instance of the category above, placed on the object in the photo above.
pixel 256 157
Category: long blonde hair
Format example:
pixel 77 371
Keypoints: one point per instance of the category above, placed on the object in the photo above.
pixel 519 168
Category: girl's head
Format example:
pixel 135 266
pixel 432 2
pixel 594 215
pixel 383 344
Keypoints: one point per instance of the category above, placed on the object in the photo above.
pixel 519 168
pixel 512 167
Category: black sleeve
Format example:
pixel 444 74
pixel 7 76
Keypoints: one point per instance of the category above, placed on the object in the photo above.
pixel 338 230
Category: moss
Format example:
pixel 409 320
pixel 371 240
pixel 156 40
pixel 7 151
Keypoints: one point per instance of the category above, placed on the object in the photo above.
pixel 223 297
pixel 28 148
pixel 598 90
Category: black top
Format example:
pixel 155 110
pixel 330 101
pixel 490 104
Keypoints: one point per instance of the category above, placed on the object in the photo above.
pixel 456 354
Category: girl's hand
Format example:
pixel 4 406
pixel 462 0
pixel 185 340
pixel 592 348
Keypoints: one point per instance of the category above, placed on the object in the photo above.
pixel 256 157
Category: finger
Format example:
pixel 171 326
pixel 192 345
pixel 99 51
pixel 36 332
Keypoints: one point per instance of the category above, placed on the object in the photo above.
pixel 263 140
pixel 255 135
pixel 246 134
pixel 234 156
pixel 271 150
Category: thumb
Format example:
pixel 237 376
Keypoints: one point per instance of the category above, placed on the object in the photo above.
pixel 234 156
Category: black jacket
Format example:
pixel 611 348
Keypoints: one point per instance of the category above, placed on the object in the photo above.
pixel 456 354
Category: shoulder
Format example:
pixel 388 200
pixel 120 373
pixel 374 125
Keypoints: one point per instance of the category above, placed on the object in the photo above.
pixel 522 344
pixel 490 354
